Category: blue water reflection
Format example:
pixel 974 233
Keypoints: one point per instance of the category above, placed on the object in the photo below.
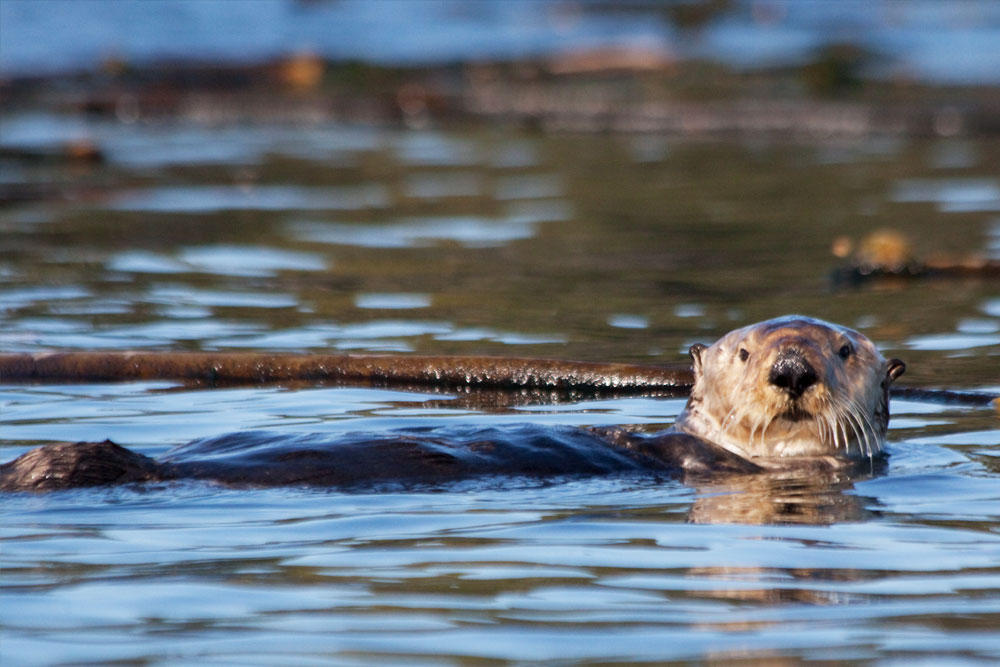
pixel 472 232
pixel 951 195
pixel 392 301
pixel 204 199
pixel 225 260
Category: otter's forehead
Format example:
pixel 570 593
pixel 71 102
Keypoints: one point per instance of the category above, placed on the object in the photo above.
pixel 791 325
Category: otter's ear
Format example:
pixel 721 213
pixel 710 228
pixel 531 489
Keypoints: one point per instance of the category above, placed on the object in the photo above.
pixel 695 353
pixel 894 369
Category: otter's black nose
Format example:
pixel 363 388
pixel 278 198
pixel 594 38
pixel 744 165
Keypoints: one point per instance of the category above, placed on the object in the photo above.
pixel 792 373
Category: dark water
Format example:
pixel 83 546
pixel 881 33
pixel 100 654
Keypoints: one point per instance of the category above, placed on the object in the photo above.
pixel 488 241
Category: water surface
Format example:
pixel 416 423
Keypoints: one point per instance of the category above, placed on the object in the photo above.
pixel 611 248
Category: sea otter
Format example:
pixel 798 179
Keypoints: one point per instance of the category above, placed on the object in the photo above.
pixel 791 387
pixel 788 392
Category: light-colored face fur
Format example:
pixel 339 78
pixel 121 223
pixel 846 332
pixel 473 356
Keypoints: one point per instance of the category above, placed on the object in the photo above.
pixel 792 386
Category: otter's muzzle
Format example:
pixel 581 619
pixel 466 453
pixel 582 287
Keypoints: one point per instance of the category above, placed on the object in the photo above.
pixel 792 373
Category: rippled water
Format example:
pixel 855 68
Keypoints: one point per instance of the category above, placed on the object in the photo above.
pixel 593 247
pixel 900 566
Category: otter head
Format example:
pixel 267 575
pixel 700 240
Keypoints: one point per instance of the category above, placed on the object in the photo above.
pixel 792 386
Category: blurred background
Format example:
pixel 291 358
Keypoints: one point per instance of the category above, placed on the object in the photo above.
pixel 949 41
pixel 596 180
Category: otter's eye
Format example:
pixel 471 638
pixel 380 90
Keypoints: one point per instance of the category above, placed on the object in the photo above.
pixel 744 355
pixel 845 350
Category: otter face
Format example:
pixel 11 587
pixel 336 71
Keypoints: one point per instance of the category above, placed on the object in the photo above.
pixel 792 386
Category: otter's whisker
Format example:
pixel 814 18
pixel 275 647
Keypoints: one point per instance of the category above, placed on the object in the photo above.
pixel 846 414
pixel 831 430
pixel 843 432
pixel 876 439
pixel 763 432
pixel 873 438
pixel 829 435
pixel 852 419
pixel 866 431
pixel 729 420
pixel 859 415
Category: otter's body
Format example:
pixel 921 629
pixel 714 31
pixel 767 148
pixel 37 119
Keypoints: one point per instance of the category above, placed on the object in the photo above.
pixel 414 457
pixel 783 393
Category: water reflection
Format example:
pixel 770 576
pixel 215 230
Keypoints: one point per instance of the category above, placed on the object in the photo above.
pixel 20 297
pixel 681 242
pixel 140 261
pixel 225 260
pixel 172 295
pixel 435 149
pixel 623 321
pixel 231 260
pixel 152 334
pixel 955 342
pixel 205 199
pixel 951 195
pixel 471 232
pixel 815 498
pixel 392 301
